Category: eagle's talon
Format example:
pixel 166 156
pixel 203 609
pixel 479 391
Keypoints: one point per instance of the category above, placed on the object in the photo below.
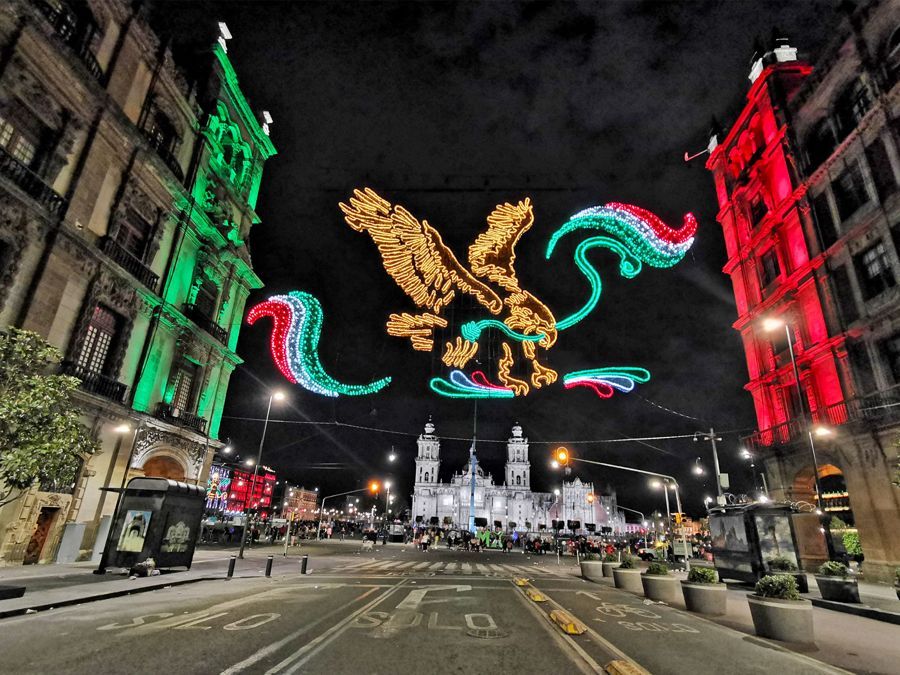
pixel 542 375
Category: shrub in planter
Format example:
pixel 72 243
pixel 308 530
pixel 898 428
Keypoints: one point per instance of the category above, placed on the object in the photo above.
pixel 779 612
pixel 591 567
pixel 610 562
pixel 659 585
pixel 703 593
pixel 835 583
pixel 627 577
pixel 782 564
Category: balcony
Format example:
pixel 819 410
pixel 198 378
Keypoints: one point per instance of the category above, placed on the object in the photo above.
pixel 95 383
pixel 135 267
pixel 73 33
pixel 875 410
pixel 165 154
pixel 207 324
pixel 181 418
pixel 30 183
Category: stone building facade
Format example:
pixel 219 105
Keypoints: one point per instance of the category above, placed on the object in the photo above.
pixel 126 199
pixel 513 504
pixel 808 184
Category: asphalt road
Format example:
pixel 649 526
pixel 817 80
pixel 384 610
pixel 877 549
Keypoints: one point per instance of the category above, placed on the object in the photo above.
pixel 396 610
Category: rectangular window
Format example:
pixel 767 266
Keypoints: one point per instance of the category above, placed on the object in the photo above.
pixel 184 384
pixel 891 348
pixel 205 302
pixel 824 219
pixel 862 365
pixel 98 341
pixel 843 291
pixel 874 269
pixel 880 166
pixel 18 140
pixel 849 191
pixel 758 210
pixel 133 234
pixel 768 268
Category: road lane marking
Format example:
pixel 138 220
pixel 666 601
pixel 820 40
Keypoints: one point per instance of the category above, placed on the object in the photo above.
pixel 482 568
pixel 419 566
pixel 275 646
pixel 466 568
pixel 436 566
pixel 414 599
pixel 585 664
pixel 312 648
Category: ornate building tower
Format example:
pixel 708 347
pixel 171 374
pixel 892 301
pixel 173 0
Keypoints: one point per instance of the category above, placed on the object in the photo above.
pixel 808 185
pixel 518 469
pixel 428 462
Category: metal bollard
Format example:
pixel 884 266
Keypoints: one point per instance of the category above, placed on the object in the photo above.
pixel 303 561
pixel 231 563
pixel 269 560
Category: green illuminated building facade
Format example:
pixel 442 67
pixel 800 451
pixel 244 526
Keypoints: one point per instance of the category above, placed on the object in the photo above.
pixel 127 195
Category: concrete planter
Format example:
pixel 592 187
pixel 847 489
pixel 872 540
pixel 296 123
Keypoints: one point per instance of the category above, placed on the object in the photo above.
pixel 628 580
pixel 592 570
pixel 785 620
pixel 662 588
pixel 838 589
pixel 608 568
pixel 710 599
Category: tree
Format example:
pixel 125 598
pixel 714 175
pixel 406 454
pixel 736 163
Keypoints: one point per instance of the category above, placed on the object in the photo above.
pixel 42 440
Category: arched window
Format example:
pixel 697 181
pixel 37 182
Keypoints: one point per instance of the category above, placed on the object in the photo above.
pixel 518 480
pixel 426 476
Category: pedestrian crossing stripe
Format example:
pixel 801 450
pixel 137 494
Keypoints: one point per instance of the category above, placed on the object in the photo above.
pixel 484 569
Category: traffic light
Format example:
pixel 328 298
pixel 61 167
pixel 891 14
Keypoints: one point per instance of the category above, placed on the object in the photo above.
pixel 373 487
pixel 562 456
pixel 678 518
pixel 590 498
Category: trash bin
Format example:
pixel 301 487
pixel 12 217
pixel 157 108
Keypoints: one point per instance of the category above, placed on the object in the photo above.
pixel 155 518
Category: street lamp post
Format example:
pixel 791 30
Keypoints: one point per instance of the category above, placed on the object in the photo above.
pixel 275 396
pixel 772 324
pixel 567 457
pixel 712 438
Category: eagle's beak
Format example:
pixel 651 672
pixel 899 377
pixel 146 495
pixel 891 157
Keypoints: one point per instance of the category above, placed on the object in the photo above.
pixel 549 338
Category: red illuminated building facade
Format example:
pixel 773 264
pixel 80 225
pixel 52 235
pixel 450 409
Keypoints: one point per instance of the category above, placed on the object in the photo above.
pixel 807 184
pixel 230 491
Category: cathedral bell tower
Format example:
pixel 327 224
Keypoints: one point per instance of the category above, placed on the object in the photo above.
pixel 428 460
pixel 518 469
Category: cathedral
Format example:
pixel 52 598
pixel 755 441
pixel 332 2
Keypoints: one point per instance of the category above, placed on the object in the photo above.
pixel 510 506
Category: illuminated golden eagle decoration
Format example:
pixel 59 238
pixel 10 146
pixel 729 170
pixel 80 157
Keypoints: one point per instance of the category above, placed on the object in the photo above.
pixel 426 269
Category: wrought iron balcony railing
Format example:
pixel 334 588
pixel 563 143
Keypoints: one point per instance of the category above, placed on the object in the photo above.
pixel 95 383
pixel 29 182
pixel 181 418
pixel 207 324
pixel 880 408
pixel 165 154
pixel 123 258
pixel 73 33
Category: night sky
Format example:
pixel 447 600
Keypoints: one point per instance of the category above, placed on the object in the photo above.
pixel 450 109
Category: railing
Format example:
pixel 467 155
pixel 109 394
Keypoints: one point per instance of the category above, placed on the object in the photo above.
pixel 30 182
pixel 207 324
pixel 181 418
pixel 880 408
pixel 66 26
pixel 165 154
pixel 95 383
pixel 123 258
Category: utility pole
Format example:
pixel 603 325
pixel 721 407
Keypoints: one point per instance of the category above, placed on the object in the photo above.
pixel 712 438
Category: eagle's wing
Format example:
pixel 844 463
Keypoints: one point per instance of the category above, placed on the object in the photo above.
pixel 414 254
pixel 493 253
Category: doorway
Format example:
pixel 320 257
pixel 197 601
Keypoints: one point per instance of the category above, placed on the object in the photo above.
pixel 45 522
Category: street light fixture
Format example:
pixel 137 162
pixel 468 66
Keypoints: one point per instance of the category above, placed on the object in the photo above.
pixel 771 324
pixel 698 468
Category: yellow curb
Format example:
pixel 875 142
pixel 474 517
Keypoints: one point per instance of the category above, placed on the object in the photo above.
pixel 534 595
pixel 620 667
pixel 520 581
pixel 567 622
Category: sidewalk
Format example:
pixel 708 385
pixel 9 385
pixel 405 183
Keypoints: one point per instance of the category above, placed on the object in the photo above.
pixel 55 585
